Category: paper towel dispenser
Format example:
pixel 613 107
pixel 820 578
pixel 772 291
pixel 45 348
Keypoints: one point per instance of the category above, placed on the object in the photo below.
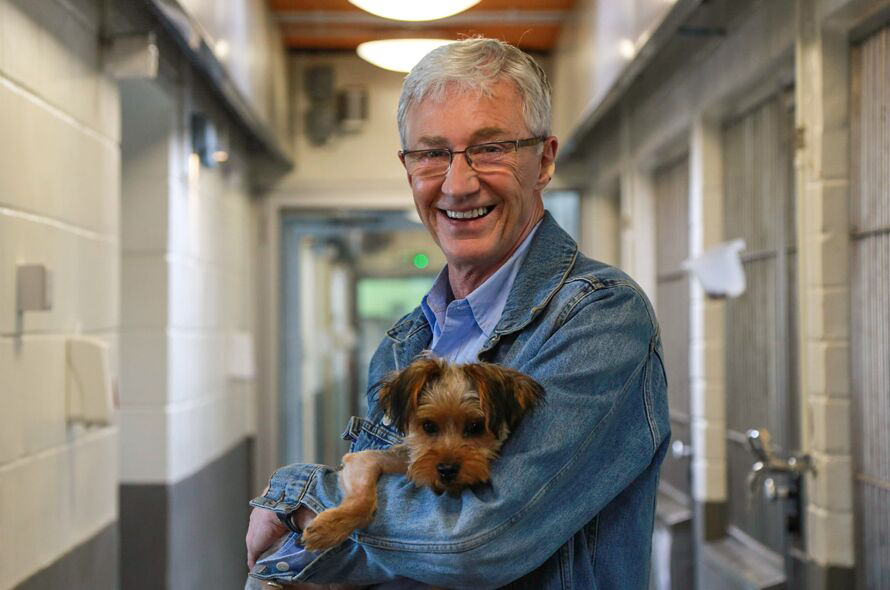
pixel 88 381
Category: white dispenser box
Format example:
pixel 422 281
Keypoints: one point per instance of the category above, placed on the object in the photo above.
pixel 88 382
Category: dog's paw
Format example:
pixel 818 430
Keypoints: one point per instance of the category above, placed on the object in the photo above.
pixel 327 530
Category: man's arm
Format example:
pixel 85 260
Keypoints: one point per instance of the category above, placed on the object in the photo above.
pixel 603 420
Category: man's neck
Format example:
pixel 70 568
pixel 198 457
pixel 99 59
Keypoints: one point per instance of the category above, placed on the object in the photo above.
pixel 463 280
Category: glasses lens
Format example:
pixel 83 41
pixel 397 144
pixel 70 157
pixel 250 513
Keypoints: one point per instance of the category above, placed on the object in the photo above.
pixel 490 155
pixel 427 162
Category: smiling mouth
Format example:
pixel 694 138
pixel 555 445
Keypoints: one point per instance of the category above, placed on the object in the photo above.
pixel 468 215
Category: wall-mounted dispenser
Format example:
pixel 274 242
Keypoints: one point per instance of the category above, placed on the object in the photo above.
pixel 89 387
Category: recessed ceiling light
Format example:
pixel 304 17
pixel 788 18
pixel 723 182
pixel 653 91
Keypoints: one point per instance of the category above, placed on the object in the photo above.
pixel 398 55
pixel 414 9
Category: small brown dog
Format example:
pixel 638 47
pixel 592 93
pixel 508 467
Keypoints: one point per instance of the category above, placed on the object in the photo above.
pixel 455 419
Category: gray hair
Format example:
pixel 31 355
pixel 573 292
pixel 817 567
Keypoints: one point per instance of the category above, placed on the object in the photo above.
pixel 476 64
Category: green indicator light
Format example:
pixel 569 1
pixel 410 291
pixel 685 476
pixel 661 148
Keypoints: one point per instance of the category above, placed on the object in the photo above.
pixel 421 260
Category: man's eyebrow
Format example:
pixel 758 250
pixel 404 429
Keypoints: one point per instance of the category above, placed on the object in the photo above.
pixel 432 141
pixel 487 133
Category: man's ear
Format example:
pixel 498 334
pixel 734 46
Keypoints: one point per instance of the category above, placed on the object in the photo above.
pixel 505 395
pixel 400 392
pixel 548 163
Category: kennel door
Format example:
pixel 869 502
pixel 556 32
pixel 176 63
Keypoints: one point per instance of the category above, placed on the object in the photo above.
pixel 870 292
pixel 761 349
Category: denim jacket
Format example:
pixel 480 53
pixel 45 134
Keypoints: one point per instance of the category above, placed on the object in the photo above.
pixel 571 502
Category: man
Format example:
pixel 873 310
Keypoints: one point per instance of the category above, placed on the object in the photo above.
pixel 572 497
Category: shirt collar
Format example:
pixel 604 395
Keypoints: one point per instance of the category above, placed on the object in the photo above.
pixel 550 258
pixel 487 301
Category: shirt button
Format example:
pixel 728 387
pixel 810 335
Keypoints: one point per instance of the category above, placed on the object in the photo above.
pixel 282 566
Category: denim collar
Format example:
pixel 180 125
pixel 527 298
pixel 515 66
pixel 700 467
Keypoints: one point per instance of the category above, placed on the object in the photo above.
pixel 551 255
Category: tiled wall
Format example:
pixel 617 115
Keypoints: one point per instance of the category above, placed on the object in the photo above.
pixel 187 291
pixel 59 176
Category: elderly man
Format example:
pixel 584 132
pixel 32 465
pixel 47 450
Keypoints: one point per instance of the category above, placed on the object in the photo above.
pixel 572 498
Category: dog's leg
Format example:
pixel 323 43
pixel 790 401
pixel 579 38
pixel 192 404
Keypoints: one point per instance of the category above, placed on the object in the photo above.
pixel 358 480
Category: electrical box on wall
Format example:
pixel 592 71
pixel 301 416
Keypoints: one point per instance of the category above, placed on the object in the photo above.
pixel 33 288
pixel 132 56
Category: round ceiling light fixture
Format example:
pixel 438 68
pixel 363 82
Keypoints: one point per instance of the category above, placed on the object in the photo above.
pixel 398 55
pixel 414 10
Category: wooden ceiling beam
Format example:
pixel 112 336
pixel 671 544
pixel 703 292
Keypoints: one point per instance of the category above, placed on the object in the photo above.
pixel 344 5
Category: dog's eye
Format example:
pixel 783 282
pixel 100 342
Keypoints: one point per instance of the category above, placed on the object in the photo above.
pixel 430 427
pixel 474 429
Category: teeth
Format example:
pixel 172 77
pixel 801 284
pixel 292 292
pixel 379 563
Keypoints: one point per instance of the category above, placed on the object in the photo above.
pixel 472 214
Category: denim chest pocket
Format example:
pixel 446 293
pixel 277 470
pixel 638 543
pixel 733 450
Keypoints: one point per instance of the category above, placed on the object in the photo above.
pixel 366 435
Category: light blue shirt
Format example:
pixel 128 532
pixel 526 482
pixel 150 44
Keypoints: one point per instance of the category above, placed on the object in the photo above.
pixel 461 327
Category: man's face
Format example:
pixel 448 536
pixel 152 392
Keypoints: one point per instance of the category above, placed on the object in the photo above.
pixel 511 195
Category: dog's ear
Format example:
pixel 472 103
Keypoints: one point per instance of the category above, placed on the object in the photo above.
pixel 400 392
pixel 505 395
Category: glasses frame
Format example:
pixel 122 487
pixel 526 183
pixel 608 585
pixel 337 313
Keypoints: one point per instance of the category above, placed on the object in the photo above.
pixel 516 143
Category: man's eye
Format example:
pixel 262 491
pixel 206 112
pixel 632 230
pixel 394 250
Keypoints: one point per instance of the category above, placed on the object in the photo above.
pixel 491 149
pixel 430 427
pixel 474 428
pixel 434 155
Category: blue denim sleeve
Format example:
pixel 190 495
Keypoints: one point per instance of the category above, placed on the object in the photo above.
pixel 600 427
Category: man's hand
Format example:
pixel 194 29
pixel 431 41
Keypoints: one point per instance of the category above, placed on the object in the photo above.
pixel 262 532
pixel 265 528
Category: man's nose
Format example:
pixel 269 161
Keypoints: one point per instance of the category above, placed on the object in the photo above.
pixel 460 179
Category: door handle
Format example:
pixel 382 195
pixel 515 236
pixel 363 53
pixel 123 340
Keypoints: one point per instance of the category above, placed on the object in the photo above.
pixel 760 445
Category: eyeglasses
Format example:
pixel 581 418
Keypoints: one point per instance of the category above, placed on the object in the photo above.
pixel 482 157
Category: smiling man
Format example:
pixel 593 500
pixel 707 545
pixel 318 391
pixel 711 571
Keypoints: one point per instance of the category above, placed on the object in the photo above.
pixel 571 500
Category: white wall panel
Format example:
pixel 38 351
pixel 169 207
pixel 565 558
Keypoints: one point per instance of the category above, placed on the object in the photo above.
pixel 144 292
pixel 143 373
pixel 39 172
pixel 196 362
pixel 143 444
pixel 203 430
pixel 54 501
pixel 53 52
pixel 84 275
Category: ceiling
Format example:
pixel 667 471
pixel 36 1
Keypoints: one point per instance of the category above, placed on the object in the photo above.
pixel 532 25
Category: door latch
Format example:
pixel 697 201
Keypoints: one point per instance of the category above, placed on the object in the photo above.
pixel 776 478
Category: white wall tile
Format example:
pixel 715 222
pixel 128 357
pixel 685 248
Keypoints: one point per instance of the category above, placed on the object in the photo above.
pixel 144 292
pixel 12 443
pixel 144 445
pixel 39 175
pixel 203 431
pixel 830 536
pixel 53 52
pixel 54 501
pixel 144 213
pixel 830 426
pixel 33 489
pixel 36 383
pixel 195 295
pixel 197 365
pixel 143 378
pixel 90 493
pixel 830 486
pixel 84 276
pixel 22 37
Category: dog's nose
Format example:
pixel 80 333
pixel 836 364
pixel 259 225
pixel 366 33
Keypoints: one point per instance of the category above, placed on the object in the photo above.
pixel 448 471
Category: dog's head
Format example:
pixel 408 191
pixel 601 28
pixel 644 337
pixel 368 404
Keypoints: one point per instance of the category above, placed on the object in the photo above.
pixel 456 417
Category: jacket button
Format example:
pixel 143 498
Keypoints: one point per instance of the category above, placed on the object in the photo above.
pixel 282 566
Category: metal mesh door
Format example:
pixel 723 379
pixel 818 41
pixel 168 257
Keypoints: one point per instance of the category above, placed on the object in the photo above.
pixel 870 217
pixel 672 235
pixel 760 347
